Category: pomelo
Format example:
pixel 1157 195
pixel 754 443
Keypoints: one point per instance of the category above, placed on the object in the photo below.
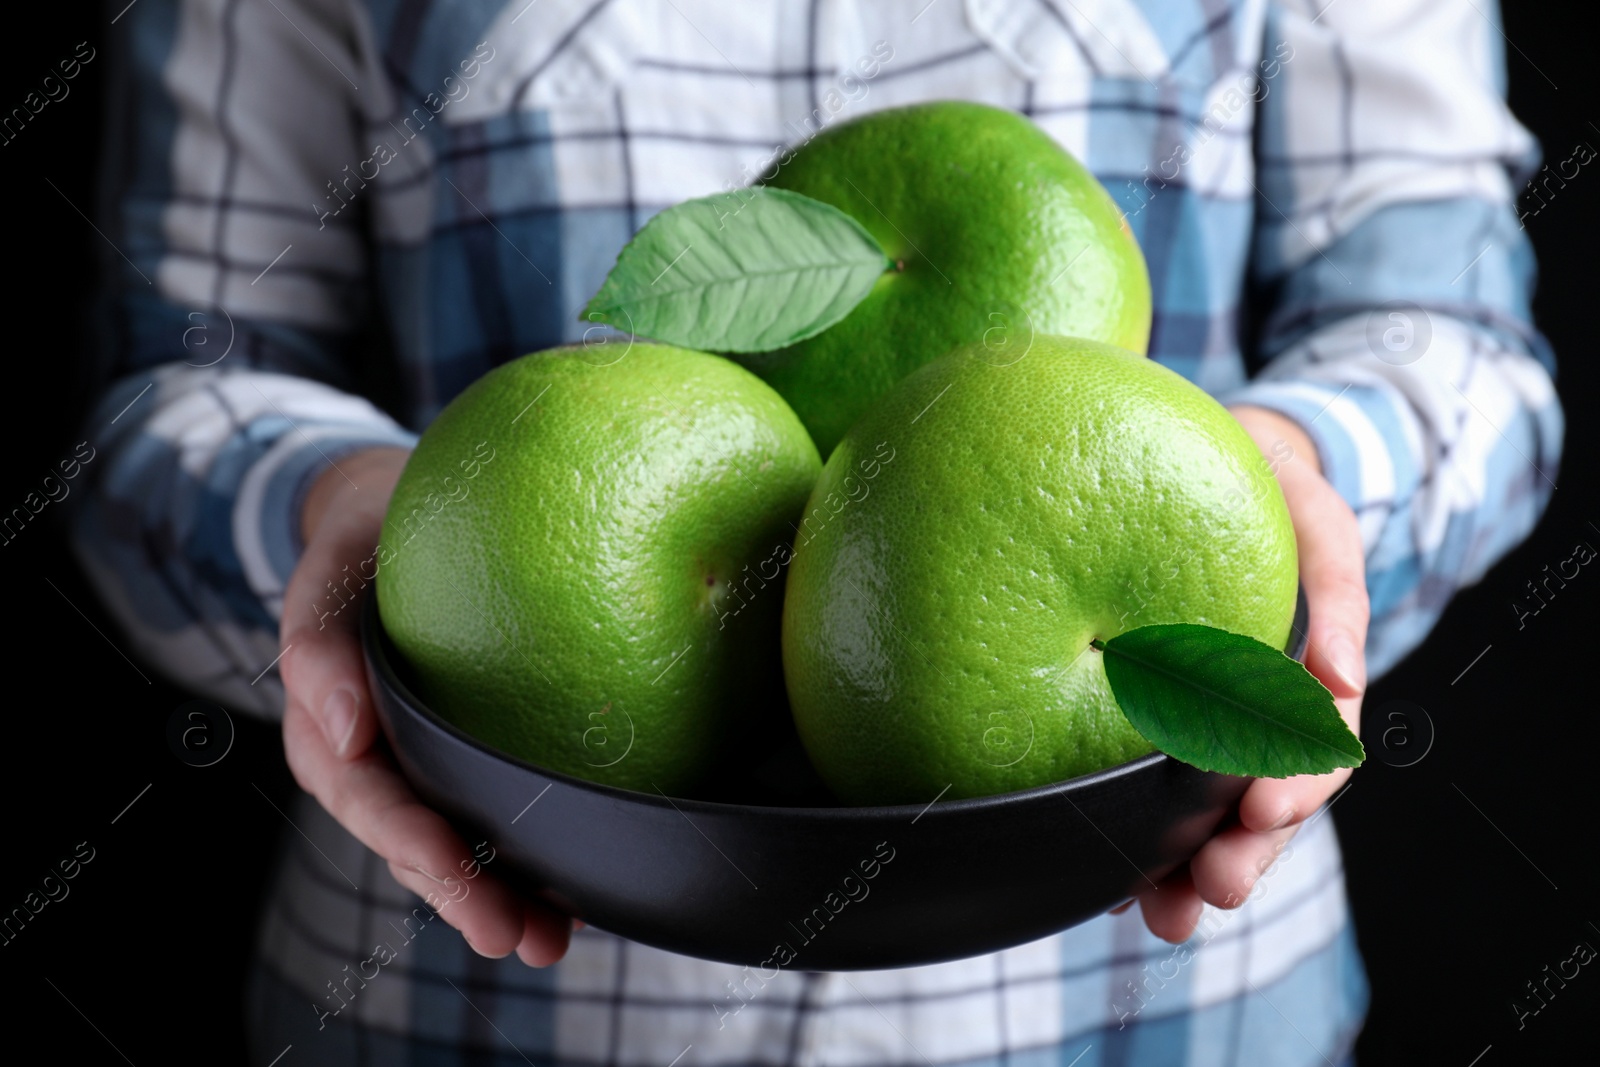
pixel 978 528
pixel 581 563
pixel 998 232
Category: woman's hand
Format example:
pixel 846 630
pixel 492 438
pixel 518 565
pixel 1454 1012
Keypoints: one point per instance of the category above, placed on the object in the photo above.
pixel 1333 574
pixel 330 729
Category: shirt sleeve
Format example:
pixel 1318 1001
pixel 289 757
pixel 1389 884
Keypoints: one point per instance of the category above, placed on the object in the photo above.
pixel 233 313
pixel 1396 276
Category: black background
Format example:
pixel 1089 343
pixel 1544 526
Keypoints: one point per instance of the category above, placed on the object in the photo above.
pixel 1469 871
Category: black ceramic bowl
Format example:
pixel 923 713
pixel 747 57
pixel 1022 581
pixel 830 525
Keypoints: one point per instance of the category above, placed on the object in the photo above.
pixel 815 888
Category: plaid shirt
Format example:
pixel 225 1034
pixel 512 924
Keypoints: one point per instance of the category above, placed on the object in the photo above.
pixel 319 204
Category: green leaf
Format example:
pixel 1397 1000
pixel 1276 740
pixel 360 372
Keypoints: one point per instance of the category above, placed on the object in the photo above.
pixel 1226 702
pixel 747 271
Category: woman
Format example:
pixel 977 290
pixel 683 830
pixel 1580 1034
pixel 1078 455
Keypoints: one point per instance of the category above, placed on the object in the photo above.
pixel 379 201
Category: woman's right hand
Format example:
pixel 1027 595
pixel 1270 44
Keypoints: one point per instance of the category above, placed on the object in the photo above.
pixel 330 731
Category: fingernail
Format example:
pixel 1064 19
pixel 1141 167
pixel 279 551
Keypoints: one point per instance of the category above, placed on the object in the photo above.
pixel 339 719
pixel 1283 820
pixel 1346 659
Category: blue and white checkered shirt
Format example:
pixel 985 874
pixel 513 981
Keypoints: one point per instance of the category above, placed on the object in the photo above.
pixel 327 202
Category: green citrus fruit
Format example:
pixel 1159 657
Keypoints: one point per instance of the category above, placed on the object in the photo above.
pixel 978 528
pixel 999 234
pixel 578 562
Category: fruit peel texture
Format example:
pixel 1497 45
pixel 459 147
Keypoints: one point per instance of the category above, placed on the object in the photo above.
pixel 936 627
pixel 589 601
pixel 1001 235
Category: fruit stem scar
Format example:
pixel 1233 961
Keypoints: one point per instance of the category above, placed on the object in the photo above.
pixel 899 265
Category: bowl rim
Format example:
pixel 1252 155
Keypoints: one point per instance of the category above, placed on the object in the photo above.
pixel 376 645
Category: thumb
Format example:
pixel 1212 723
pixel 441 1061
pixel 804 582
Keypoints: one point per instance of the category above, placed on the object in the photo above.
pixel 322 666
pixel 1333 574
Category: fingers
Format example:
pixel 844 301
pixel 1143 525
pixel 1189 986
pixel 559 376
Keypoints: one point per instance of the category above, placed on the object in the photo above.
pixel 370 799
pixel 1228 867
pixel 1172 908
pixel 1273 804
pixel 1278 803
pixel 1223 874
pixel 545 936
